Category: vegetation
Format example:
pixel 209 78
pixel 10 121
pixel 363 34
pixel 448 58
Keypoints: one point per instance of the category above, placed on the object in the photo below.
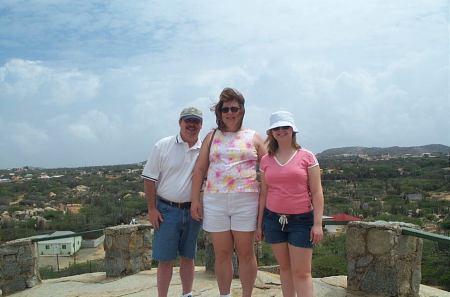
pixel 109 196
pixel 373 189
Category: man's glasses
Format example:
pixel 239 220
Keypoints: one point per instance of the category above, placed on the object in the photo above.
pixel 193 121
pixel 233 109
pixel 281 128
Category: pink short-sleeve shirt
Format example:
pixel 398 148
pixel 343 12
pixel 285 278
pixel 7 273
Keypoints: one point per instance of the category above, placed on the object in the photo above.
pixel 288 185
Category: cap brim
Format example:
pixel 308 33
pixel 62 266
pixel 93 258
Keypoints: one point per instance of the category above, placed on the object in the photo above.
pixel 281 124
pixel 191 116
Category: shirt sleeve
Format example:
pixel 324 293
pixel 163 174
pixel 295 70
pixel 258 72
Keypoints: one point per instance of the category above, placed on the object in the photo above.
pixel 311 160
pixel 152 167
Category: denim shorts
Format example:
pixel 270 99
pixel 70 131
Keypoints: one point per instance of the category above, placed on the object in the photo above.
pixel 296 231
pixel 177 234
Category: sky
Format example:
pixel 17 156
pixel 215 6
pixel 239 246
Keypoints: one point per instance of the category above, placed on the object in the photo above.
pixel 85 83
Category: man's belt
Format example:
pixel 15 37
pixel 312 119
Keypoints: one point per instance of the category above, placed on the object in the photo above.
pixel 182 205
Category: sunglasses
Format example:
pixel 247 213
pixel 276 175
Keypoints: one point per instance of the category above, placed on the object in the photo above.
pixel 233 109
pixel 281 128
pixel 192 121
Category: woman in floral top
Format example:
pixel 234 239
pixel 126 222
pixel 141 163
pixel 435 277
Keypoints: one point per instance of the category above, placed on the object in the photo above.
pixel 229 155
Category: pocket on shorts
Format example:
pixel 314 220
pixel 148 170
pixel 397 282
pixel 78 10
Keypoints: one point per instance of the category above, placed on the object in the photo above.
pixel 163 208
pixel 270 221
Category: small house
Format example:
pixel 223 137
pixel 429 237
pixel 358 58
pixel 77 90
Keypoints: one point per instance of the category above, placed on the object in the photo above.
pixel 413 197
pixel 61 247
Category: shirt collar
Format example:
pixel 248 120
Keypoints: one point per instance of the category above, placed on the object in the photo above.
pixel 179 140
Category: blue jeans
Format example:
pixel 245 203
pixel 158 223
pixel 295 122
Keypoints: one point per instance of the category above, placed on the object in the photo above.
pixel 177 234
pixel 296 232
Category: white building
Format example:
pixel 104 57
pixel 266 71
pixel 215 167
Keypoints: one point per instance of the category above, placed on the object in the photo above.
pixel 61 247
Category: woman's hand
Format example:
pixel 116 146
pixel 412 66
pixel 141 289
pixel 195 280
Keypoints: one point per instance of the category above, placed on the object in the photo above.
pixel 316 234
pixel 196 210
pixel 258 234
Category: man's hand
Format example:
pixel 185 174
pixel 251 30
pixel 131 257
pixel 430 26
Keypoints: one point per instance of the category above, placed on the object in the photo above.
pixel 155 218
pixel 196 211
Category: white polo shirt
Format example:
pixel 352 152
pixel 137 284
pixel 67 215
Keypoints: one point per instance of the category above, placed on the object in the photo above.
pixel 170 165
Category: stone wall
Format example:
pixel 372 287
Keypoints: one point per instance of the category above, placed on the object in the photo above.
pixel 380 260
pixel 127 249
pixel 18 266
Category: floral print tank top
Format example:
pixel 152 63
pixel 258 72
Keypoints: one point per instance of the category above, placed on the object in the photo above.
pixel 232 163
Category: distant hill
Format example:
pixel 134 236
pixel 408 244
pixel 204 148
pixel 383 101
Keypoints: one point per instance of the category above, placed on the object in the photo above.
pixel 392 151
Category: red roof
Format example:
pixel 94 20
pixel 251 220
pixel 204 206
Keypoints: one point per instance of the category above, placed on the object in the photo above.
pixel 344 217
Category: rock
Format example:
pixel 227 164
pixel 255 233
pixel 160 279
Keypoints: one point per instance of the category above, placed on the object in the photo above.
pixel 143 284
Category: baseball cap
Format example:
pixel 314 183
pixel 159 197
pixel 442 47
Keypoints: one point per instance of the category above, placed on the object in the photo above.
pixel 191 113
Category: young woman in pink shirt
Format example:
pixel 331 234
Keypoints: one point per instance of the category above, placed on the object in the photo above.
pixel 291 205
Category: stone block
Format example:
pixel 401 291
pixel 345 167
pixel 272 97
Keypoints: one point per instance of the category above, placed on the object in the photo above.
pixel 115 267
pixel 7 250
pixel 378 280
pixel 364 261
pixel 147 238
pixel 122 241
pixel 107 242
pixel 15 285
pixel 10 270
pixel 32 281
pixel 380 242
pixel 390 266
pixel 415 280
pixel 407 245
pixel 134 265
pixel 125 249
pixel 355 242
pixel 19 267
pixel 136 241
pixel 147 262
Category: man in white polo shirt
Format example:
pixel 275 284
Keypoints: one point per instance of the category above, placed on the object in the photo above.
pixel 167 183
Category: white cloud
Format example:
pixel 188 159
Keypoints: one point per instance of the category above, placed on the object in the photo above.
pixel 27 138
pixel 95 126
pixel 31 80
pixel 82 132
pixel 106 80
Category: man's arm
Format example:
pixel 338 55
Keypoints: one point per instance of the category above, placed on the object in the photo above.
pixel 154 215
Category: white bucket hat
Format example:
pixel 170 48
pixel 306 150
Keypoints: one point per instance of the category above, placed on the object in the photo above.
pixel 280 119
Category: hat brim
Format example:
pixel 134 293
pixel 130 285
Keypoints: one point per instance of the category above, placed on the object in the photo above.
pixel 191 116
pixel 281 124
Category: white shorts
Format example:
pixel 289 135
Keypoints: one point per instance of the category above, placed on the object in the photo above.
pixel 230 211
